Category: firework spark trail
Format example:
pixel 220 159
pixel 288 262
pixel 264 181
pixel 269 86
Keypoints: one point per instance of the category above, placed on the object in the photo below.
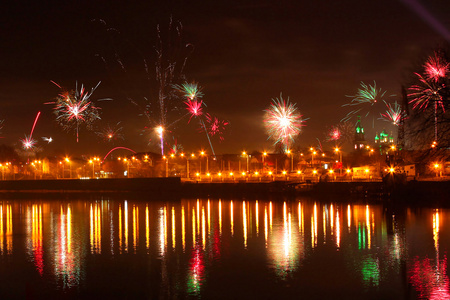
pixel 1 126
pixel 393 114
pixel 160 107
pixel 116 148
pixel 160 131
pixel 28 142
pixel 34 124
pixel 282 121
pixel 207 135
pixel 319 145
pixel 73 108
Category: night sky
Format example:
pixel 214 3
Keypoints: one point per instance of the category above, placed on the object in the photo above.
pixel 245 53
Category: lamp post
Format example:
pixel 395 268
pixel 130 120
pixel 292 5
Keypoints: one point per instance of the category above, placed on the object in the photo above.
pixel 437 169
pixel 246 155
pixel 263 160
pixel 337 150
pixel 167 165
pixel 187 162
pixel 70 167
pixel 312 156
pixel 202 153
pixel 292 159
pixel 125 160
pixel 92 162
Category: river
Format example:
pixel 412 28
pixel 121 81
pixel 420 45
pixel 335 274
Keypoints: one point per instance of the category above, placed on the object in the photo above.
pixel 141 247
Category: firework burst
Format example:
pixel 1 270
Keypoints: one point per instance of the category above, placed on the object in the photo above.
pixel 190 90
pixel 425 93
pixel 282 121
pixel 176 148
pixel 111 133
pixel 342 132
pixel 431 88
pixel 216 127
pixel 436 67
pixel 334 134
pixel 194 108
pixel 366 97
pixel 192 93
pixel 394 113
pixel 72 109
pixel 28 143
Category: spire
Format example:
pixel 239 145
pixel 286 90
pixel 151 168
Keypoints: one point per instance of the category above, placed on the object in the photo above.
pixel 359 141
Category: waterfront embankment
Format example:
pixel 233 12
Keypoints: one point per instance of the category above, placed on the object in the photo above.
pixel 411 191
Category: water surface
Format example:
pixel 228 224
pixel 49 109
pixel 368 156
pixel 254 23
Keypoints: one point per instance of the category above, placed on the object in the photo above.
pixel 221 249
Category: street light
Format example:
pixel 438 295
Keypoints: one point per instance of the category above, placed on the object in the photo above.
pixel 246 155
pixel 337 150
pixel 187 165
pixel 92 162
pixel 167 165
pixel 125 160
pixel 70 167
pixel 312 156
pixel 263 159
pixel 202 153
pixel 437 168
pixel 332 174
pixel 292 159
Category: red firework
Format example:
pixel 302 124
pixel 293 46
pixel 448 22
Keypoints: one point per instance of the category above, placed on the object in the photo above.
pixel 194 107
pixel 436 67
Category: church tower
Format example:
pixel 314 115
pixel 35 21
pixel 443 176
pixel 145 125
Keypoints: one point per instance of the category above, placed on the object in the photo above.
pixel 359 140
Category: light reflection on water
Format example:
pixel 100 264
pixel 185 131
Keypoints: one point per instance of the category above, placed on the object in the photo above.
pixel 200 247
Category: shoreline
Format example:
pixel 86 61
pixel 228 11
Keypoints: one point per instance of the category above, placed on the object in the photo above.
pixel 174 187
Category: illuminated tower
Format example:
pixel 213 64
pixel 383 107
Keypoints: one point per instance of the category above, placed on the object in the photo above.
pixel 385 141
pixel 359 140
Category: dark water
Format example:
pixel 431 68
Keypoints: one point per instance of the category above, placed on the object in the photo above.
pixel 221 249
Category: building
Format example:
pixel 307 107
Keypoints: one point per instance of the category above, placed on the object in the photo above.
pixel 359 140
pixel 384 141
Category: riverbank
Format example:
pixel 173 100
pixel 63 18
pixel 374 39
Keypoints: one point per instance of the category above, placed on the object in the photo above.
pixel 411 191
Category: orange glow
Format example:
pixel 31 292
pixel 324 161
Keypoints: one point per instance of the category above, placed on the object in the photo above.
pixel 147 228
pixel 244 223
